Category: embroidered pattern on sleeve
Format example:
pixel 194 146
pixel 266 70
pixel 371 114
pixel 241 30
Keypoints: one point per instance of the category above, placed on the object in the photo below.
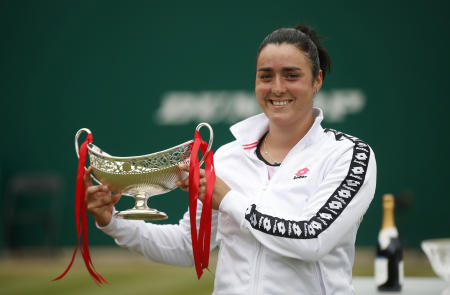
pixel 333 207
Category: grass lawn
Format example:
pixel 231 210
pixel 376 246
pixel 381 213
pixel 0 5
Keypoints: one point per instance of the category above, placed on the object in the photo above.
pixel 129 273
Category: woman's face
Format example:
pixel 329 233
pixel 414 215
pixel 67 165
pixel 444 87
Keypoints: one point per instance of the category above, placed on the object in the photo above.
pixel 285 85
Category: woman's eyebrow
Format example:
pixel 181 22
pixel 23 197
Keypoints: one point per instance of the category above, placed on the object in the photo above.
pixel 288 69
pixel 265 70
pixel 285 69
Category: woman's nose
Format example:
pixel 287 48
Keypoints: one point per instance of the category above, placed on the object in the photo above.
pixel 278 87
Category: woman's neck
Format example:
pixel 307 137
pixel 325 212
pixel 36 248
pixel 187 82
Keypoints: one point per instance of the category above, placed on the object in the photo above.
pixel 281 139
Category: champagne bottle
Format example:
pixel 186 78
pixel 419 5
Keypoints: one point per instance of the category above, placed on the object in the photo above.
pixel 389 259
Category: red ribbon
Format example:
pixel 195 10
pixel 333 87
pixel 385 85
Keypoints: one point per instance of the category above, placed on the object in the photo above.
pixel 201 244
pixel 81 218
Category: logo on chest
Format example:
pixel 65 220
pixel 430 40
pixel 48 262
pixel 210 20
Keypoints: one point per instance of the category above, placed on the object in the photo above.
pixel 302 173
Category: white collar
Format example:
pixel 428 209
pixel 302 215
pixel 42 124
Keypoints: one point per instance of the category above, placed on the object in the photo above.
pixel 249 131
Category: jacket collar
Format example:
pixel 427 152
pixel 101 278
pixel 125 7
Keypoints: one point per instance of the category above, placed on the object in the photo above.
pixel 249 131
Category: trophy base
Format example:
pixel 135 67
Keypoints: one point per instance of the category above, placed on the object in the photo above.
pixel 141 214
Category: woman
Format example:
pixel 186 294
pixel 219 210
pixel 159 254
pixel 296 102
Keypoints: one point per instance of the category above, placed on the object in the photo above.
pixel 289 195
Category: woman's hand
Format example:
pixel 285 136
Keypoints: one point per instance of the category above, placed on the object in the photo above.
pixel 99 200
pixel 219 192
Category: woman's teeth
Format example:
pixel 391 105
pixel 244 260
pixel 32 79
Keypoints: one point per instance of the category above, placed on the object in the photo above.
pixel 280 102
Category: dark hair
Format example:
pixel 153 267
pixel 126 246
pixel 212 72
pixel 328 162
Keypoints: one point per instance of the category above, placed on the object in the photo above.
pixel 305 39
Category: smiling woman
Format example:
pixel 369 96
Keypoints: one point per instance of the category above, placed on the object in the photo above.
pixel 284 88
pixel 291 65
pixel 288 197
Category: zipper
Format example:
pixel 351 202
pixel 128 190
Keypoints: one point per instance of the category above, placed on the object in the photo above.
pixel 259 249
pixel 257 269
pixel 319 274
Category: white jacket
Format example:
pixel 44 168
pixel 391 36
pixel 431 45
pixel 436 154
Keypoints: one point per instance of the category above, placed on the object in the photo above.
pixel 294 234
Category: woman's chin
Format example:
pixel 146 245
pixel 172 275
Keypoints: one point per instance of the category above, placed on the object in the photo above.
pixel 288 119
pixel 280 119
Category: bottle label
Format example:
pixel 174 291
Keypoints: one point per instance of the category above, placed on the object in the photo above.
pixel 381 270
pixel 385 236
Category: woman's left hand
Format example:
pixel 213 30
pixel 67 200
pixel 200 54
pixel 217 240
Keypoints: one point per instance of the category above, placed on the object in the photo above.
pixel 219 192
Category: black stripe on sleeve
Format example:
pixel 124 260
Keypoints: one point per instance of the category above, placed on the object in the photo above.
pixel 336 203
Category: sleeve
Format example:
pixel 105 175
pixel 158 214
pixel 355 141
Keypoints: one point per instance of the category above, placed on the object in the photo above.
pixel 338 205
pixel 169 244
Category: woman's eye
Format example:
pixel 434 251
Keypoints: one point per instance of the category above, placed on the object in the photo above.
pixel 265 77
pixel 292 76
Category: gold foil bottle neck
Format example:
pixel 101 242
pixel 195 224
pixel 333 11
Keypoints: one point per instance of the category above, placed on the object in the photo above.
pixel 388 212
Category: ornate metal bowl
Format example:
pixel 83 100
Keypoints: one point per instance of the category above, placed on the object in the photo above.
pixel 438 252
pixel 140 176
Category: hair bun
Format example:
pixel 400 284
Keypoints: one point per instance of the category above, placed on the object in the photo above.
pixel 324 58
pixel 305 29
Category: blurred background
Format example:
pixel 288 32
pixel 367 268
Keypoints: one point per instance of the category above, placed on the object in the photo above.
pixel 141 75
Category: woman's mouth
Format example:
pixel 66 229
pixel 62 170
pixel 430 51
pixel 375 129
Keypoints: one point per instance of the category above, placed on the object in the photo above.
pixel 280 102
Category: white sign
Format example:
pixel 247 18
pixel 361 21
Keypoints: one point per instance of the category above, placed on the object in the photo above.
pixel 181 107
pixel 337 104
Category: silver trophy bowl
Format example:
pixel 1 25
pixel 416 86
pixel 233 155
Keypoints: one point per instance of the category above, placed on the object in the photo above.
pixel 438 253
pixel 141 176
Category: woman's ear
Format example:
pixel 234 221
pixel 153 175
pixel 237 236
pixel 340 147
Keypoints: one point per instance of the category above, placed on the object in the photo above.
pixel 317 84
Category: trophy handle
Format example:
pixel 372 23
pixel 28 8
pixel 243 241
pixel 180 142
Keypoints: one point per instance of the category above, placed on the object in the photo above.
pixel 77 149
pixel 211 136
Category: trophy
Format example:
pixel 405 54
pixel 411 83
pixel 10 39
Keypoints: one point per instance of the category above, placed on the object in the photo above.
pixel 141 177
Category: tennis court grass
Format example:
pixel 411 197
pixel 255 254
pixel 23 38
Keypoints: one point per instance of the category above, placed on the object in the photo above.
pixel 129 273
